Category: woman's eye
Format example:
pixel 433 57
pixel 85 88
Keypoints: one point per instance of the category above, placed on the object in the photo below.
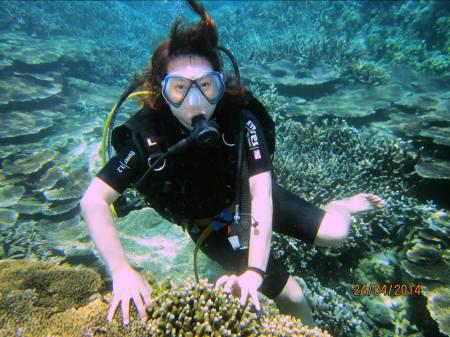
pixel 205 85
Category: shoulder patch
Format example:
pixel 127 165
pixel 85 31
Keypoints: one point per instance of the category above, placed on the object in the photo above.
pixel 123 165
pixel 252 137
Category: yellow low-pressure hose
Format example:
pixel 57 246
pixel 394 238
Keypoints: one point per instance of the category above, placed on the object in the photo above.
pixel 103 146
pixel 108 124
pixel 206 232
pixel 105 135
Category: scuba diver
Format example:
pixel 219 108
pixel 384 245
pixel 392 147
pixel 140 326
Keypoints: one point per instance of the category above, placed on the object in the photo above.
pixel 200 152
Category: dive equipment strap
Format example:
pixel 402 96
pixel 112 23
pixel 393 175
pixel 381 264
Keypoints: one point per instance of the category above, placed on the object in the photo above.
pixel 239 234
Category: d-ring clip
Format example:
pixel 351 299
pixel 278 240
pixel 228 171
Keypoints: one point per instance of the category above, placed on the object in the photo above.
pixel 149 161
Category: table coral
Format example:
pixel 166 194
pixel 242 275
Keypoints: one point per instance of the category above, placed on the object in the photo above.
pixel 439 307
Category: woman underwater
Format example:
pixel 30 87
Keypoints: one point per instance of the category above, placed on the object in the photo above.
pixel 189 99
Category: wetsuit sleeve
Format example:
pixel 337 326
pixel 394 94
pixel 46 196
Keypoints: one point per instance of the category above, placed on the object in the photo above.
pixel 122 170
pixel 258 156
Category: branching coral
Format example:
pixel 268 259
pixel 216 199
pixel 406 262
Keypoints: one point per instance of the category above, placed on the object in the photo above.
pixel 367 73
pixel 283 325
pixel 341 315
pixel 325 161
pixel 197 309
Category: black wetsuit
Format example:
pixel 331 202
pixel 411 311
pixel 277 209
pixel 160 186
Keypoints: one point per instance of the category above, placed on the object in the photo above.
pixel 198 184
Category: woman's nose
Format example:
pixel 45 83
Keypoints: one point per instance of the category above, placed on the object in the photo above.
pixel 195 97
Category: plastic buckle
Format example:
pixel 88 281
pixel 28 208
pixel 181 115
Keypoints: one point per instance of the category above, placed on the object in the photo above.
pixel 234 241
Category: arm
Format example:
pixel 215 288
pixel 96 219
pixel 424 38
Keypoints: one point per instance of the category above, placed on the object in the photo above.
pixel 128 285
pixel 97 214
pixel 260 183
pixel 260 238
pixel 262 208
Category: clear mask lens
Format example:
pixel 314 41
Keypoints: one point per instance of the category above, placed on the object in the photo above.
pixel 176 88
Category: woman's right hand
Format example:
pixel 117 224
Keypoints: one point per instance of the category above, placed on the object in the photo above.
pixel 128 285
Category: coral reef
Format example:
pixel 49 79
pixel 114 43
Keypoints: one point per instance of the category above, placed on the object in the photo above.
pixel 408 105
pixel 28 163
pixel 321 171
pixel 43 170
pixel 379 268
pixel 432 168
pixel 334 60
pixel 312 172
pixel 338 313
pixel 23 124
pixel 291 81
pixel 45 299
pixel 426 248
pixel 283 325
pixel 409 32
pixel 368 73
pixel 116 57
pixel 37 89
pixel 337 33
pixel 21 240
pixel 10 195
pixel 197 309
pixel 32 289
pixel 439 307
pixel 322 161
pixel 389 99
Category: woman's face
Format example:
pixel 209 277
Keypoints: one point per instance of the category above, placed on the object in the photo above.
pixel 191 67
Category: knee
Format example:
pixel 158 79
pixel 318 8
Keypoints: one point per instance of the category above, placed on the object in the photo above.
pixel 298 296
pixel 291 293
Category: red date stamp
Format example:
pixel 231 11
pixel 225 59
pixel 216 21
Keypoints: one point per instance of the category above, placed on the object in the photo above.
pixel 377 289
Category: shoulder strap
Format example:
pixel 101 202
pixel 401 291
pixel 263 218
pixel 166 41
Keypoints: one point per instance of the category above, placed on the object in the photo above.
pixel 141 131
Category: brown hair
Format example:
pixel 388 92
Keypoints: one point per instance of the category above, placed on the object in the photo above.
pixel 199 39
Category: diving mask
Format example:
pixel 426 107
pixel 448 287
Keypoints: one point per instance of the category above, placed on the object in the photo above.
pixel 176 88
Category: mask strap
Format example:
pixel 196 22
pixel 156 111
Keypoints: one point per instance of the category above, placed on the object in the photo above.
pixel 237 74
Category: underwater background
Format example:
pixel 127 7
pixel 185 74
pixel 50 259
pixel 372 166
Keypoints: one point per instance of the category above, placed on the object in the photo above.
pixel 360 94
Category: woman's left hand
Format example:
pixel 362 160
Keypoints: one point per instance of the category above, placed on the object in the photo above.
pixel 247 283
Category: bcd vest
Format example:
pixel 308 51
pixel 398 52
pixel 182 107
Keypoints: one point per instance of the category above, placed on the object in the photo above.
pixel 194 183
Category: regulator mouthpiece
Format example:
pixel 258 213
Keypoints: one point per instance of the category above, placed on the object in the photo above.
pixel 204 133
